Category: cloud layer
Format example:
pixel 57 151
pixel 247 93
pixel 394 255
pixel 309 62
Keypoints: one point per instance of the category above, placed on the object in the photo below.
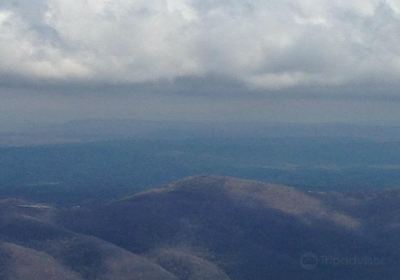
pixel 264 45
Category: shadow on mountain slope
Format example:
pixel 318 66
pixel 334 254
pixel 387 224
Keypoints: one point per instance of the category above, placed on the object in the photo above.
pixel 248 230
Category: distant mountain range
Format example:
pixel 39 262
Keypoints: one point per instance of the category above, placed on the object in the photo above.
pixel 110 129
pixel 206 228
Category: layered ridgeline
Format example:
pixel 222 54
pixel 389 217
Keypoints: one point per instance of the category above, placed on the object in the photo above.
pixel 206 228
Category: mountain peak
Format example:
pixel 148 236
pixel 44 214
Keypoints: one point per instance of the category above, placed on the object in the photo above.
pixel 303 206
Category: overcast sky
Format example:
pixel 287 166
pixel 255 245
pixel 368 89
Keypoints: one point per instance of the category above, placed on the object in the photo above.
pixel 273 60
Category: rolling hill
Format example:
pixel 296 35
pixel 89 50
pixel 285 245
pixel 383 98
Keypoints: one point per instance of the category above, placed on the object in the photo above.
pixel 207 228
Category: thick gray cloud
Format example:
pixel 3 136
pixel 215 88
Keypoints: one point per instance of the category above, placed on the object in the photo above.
pixel 263 45
pixel 273 60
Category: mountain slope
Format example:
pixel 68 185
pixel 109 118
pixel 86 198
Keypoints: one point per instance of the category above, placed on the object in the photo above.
pixel 35 248
pixel 214 228
pixel 248 230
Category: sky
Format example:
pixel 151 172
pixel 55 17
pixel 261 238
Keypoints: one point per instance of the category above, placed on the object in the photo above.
pixel 268 60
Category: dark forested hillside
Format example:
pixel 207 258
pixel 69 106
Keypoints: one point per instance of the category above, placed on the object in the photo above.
pixel 206 228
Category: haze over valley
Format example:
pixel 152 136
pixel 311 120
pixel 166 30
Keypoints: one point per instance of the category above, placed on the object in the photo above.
pixel 199 140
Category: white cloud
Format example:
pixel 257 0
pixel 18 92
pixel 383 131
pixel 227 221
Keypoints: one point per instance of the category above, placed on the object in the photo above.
pixel 23 52
pixel 264 44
